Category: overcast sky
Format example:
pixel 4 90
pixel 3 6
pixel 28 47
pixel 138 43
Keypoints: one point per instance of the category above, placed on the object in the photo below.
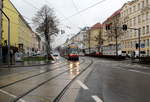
pixel 65 8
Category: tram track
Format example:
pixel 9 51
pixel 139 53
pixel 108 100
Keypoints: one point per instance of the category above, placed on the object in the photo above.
pixel 57 99
pixel 30 77
pixel 24 72
pixel 50 79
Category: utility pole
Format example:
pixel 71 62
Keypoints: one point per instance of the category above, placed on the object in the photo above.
pixel 139 37
pixel 89 41
pixel 99 45
pixel 116 36
pixel 8 36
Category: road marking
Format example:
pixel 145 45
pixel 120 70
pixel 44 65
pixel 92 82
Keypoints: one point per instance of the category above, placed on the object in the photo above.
pixel 21 100
pixel 136 71
pixel 82 85
pixel 97 99
pixel 132 70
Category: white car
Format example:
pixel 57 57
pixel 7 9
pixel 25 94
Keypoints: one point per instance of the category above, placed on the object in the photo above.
pixel 19 56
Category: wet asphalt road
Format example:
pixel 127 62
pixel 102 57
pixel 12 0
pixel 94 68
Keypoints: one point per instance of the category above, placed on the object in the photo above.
pixel 102 81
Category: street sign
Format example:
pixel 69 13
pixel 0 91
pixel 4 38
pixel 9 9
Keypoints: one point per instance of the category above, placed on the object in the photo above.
pixel 142 45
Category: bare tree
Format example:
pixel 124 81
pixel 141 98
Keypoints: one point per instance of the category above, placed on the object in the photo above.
pixel 46 24
pixel 114 33
pixel 99 40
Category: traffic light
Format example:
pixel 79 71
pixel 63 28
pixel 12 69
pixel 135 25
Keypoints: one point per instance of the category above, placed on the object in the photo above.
pixel 107 27
pixel 124 27
pixel 62 31
pixel 137 46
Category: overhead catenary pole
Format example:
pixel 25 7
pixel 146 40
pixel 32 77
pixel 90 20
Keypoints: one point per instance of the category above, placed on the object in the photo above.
pixel 116 36
pixel 99 45
pixel 139 38
pixel 8 53
pixel 89 41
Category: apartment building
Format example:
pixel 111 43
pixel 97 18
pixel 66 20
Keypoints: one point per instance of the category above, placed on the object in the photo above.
pixel 112 37
pixel 136 14
pixel 95 37
pixel 20 31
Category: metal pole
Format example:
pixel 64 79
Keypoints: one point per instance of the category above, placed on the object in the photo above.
pixel 99 45
pixel 116 36
pixel 89 42
pixel 139 36
pixel 8 36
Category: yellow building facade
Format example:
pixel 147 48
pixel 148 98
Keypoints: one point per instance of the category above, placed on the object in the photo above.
pixel 20 31
pixel 95 35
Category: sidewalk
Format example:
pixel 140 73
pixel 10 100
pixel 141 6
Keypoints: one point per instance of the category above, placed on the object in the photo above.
pixel 26 64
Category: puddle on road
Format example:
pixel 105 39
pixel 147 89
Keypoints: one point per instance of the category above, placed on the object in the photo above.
pixel 74 68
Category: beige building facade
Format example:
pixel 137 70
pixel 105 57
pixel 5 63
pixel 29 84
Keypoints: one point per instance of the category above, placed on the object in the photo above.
pixel 136 14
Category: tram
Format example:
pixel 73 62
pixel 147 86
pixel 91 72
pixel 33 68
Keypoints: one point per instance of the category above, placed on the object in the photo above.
pixel 73 52
pixel 70 52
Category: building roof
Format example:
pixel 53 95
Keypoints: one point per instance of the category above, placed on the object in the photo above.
pixel 113 15
pixel 96 26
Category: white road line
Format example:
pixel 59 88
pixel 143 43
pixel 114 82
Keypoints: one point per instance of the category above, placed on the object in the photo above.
pixel 82 85
pixel 136 71
pixel 97 99
pixel 21 100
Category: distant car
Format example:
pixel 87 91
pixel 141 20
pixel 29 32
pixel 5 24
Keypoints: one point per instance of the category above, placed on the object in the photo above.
pixel 55 55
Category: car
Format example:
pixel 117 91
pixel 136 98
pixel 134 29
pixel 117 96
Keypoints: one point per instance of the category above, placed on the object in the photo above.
pixel 55 55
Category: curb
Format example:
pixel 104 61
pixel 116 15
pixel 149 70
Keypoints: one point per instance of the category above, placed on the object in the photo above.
pixel 1 67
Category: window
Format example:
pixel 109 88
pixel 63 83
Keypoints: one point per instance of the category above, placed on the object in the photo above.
pixel 143 17
pixel 147 42
pixel 147 2
pixel 131 44
pixel 139 6
pixel 134 20
pixel 147 13
pixel 134 8
pixel 135 33
pixel 143 4
pixel 143 30
pixel 147 29
pixel 144 42
pixel 130 10
pixel 139 19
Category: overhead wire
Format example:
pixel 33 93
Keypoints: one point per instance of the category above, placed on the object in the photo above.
pixel 83 10
pixel 76 8
pixel 66 18
pixel 25 1
pixel 16 13
pixel 63 16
